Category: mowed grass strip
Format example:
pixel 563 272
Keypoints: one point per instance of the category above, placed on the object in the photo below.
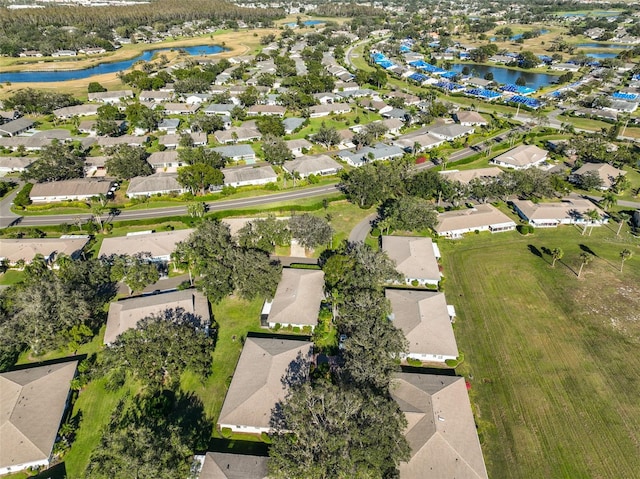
pixel 553 358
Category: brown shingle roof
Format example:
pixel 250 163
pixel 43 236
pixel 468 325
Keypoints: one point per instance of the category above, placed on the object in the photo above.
pixel 257 384
pixel 298 297
pixel 220 465
pixel 32 402
pixel 126 313
pixel 424 319
pixel 414 256
pixel 441 429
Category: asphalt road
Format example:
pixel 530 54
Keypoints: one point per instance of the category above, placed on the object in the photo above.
pixel 361 230
pixel 8 218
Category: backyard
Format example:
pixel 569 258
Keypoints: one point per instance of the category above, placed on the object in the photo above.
pixel 551 358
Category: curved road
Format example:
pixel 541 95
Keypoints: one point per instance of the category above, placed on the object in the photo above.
pixel 15 220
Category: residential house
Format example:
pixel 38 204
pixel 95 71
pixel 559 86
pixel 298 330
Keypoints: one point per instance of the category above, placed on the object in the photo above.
pixel 169 125
pixel 15 127
pixel 418 141
pixel 292 124
pixel 33 403
pixel 267 110
pixel 180 108
pixel 565 67
pixel 167 160
pixel 10 164
pixel 605 172
pixel 297 299
pixel 566 212
pixel 25 249
pixel 158 245
pixel 393 125
pixel 483 217
pixel 450 132
pixel 416 258
pixel 76 110
pixel 92 51
pixel 466 176
pixel 297 147
pixel 237 153
pixel 173 140
pixel 479 82
pixel 112 97
pixel 158 183
pixel 397 113
pixel 197 98
pixel 224 465
pixel 470 118
pixel 249 176
pixel 327 97
pixel 377 152
pixel 95 166
pixel 125 313
pixel 319 165
pixel 521 157
pixel 81 189
pixel 318 111
pixel 236 134
pixel 155 96
pixel 260 382
pixel 424 319
pixel 30 54
pixel 64 53
pixel 441 429
pixel 27 142
pixel 223 109
pixel 131 140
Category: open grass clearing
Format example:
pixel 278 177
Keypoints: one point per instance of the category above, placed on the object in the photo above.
pixel 552 357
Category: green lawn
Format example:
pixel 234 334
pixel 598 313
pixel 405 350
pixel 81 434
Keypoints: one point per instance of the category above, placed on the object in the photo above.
pixel 552 359
pixel 235 317
pixel 11 276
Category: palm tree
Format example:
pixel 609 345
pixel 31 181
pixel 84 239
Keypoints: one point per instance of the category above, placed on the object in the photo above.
pixel 556 254
pixel 585 258
pixel 593 216
pixel 608 200
pixel 625 254
pixel 624 217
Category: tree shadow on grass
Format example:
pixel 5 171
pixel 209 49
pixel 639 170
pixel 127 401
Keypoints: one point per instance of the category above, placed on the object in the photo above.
pixel 535 251
pixel 59 471
pixel 588 250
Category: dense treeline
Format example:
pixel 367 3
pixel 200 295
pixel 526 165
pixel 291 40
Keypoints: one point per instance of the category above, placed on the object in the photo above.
pixel 56 28
pixel 140 14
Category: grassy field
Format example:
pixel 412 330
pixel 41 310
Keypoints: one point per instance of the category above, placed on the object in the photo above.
pixel 552 359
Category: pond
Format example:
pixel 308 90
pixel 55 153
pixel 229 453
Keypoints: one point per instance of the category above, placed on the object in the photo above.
pixel 504 75
pixel 600 45
pixel 601 55
pixel 113 67
pixel 307 23
pixel 593 13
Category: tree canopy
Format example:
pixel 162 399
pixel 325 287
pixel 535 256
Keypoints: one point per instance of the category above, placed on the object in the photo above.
pixel 126 162
pixel 162 347
pixel 57 162
pixel 310 231
pixel 339 432
pixel 225 267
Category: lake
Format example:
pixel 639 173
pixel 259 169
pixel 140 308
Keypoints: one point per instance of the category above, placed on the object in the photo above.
pixel 307 23
pixel 112 67
pixel 592 13
pixel 601 55
pixel 504 75
pixel 600 45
